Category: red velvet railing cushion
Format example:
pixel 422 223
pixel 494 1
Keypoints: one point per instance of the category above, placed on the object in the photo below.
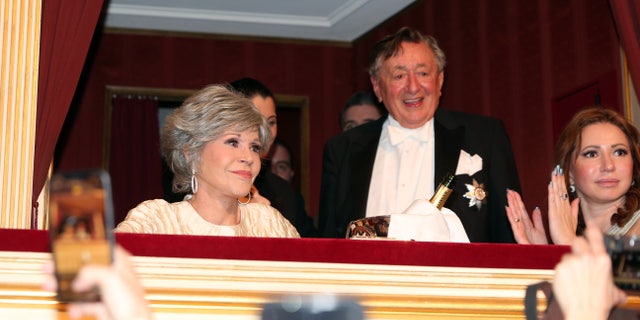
pixel 483 255
pixel 24 240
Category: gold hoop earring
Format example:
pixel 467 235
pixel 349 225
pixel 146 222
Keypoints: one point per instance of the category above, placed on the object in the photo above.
pixel 246 202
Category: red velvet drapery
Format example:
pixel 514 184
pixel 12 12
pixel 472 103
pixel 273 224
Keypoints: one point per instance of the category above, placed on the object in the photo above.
pixel 66 31
pixel 626 14
pixel 135 139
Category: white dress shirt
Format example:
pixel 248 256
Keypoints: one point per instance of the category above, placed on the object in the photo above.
pixel 403 168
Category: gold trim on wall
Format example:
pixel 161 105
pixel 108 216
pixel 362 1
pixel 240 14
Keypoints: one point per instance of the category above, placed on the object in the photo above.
pixel 20 43
pixel 187 288
pixel 110 91
pixel 301 103
pixel 630 103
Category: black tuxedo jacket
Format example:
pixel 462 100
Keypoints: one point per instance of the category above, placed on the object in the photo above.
pixel 347 166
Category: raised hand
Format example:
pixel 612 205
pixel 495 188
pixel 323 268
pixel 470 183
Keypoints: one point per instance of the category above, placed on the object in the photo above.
pixel 524 229
pixel 563 216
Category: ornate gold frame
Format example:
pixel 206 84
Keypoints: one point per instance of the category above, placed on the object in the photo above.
pixel 187 288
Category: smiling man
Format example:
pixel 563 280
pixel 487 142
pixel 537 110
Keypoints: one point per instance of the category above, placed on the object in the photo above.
pixel 383 166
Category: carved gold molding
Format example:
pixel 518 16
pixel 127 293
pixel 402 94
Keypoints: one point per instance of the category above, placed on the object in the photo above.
pixel 236 289
pixel 188 288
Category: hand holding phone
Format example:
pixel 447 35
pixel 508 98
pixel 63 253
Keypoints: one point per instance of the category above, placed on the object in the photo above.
pixel 625 261
pixel 81 225
pixel 122 294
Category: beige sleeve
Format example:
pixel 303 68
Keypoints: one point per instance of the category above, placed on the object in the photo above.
pixel 145 218
pixel 290 230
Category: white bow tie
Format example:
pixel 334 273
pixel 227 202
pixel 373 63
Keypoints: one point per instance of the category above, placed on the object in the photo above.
pixel 397 134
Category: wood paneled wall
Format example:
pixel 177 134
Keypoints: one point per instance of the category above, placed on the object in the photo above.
pixel 507 59
pixel 511 59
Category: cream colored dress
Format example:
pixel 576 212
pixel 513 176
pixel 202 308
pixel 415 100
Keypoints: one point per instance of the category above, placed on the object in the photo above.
pixel 159 216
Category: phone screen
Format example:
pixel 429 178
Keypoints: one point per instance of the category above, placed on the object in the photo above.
pixel 625 261
pixel 81 227
pixel 313 307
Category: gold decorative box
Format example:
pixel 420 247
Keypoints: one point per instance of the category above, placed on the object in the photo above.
pixel 369 227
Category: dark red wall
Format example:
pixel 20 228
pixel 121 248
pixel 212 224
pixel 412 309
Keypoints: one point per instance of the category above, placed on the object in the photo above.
pixel 323 73
pixel 507 59
pixel 511 59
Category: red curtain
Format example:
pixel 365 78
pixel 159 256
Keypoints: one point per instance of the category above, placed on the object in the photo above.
pixel 66 31
pixel 135 163
pixel 626 14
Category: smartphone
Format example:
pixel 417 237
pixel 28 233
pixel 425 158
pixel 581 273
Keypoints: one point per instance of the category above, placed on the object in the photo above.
pixel 81 227
pixel 625 261
pixel 313 307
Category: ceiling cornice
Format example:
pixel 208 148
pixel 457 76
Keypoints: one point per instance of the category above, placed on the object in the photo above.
pixel 343 20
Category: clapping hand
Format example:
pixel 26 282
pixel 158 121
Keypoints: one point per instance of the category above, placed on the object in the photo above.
pixel 524 229
pixel 563 216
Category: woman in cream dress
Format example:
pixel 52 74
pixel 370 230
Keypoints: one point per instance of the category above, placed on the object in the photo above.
pixel 212 143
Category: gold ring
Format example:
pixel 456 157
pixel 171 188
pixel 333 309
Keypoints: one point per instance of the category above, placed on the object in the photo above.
pixel 517 220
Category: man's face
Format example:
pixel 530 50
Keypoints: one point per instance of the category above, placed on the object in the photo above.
pixel 360 114
pixel 281 163
pixel 409 84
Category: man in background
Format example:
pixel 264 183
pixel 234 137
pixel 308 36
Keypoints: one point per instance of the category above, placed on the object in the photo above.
pixel 362 107
pixel 281 160
pixel 279 192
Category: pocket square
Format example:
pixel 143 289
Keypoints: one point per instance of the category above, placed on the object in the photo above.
pixel 468 164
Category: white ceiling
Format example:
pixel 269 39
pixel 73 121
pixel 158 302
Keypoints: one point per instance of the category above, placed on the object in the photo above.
pixel 325 20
